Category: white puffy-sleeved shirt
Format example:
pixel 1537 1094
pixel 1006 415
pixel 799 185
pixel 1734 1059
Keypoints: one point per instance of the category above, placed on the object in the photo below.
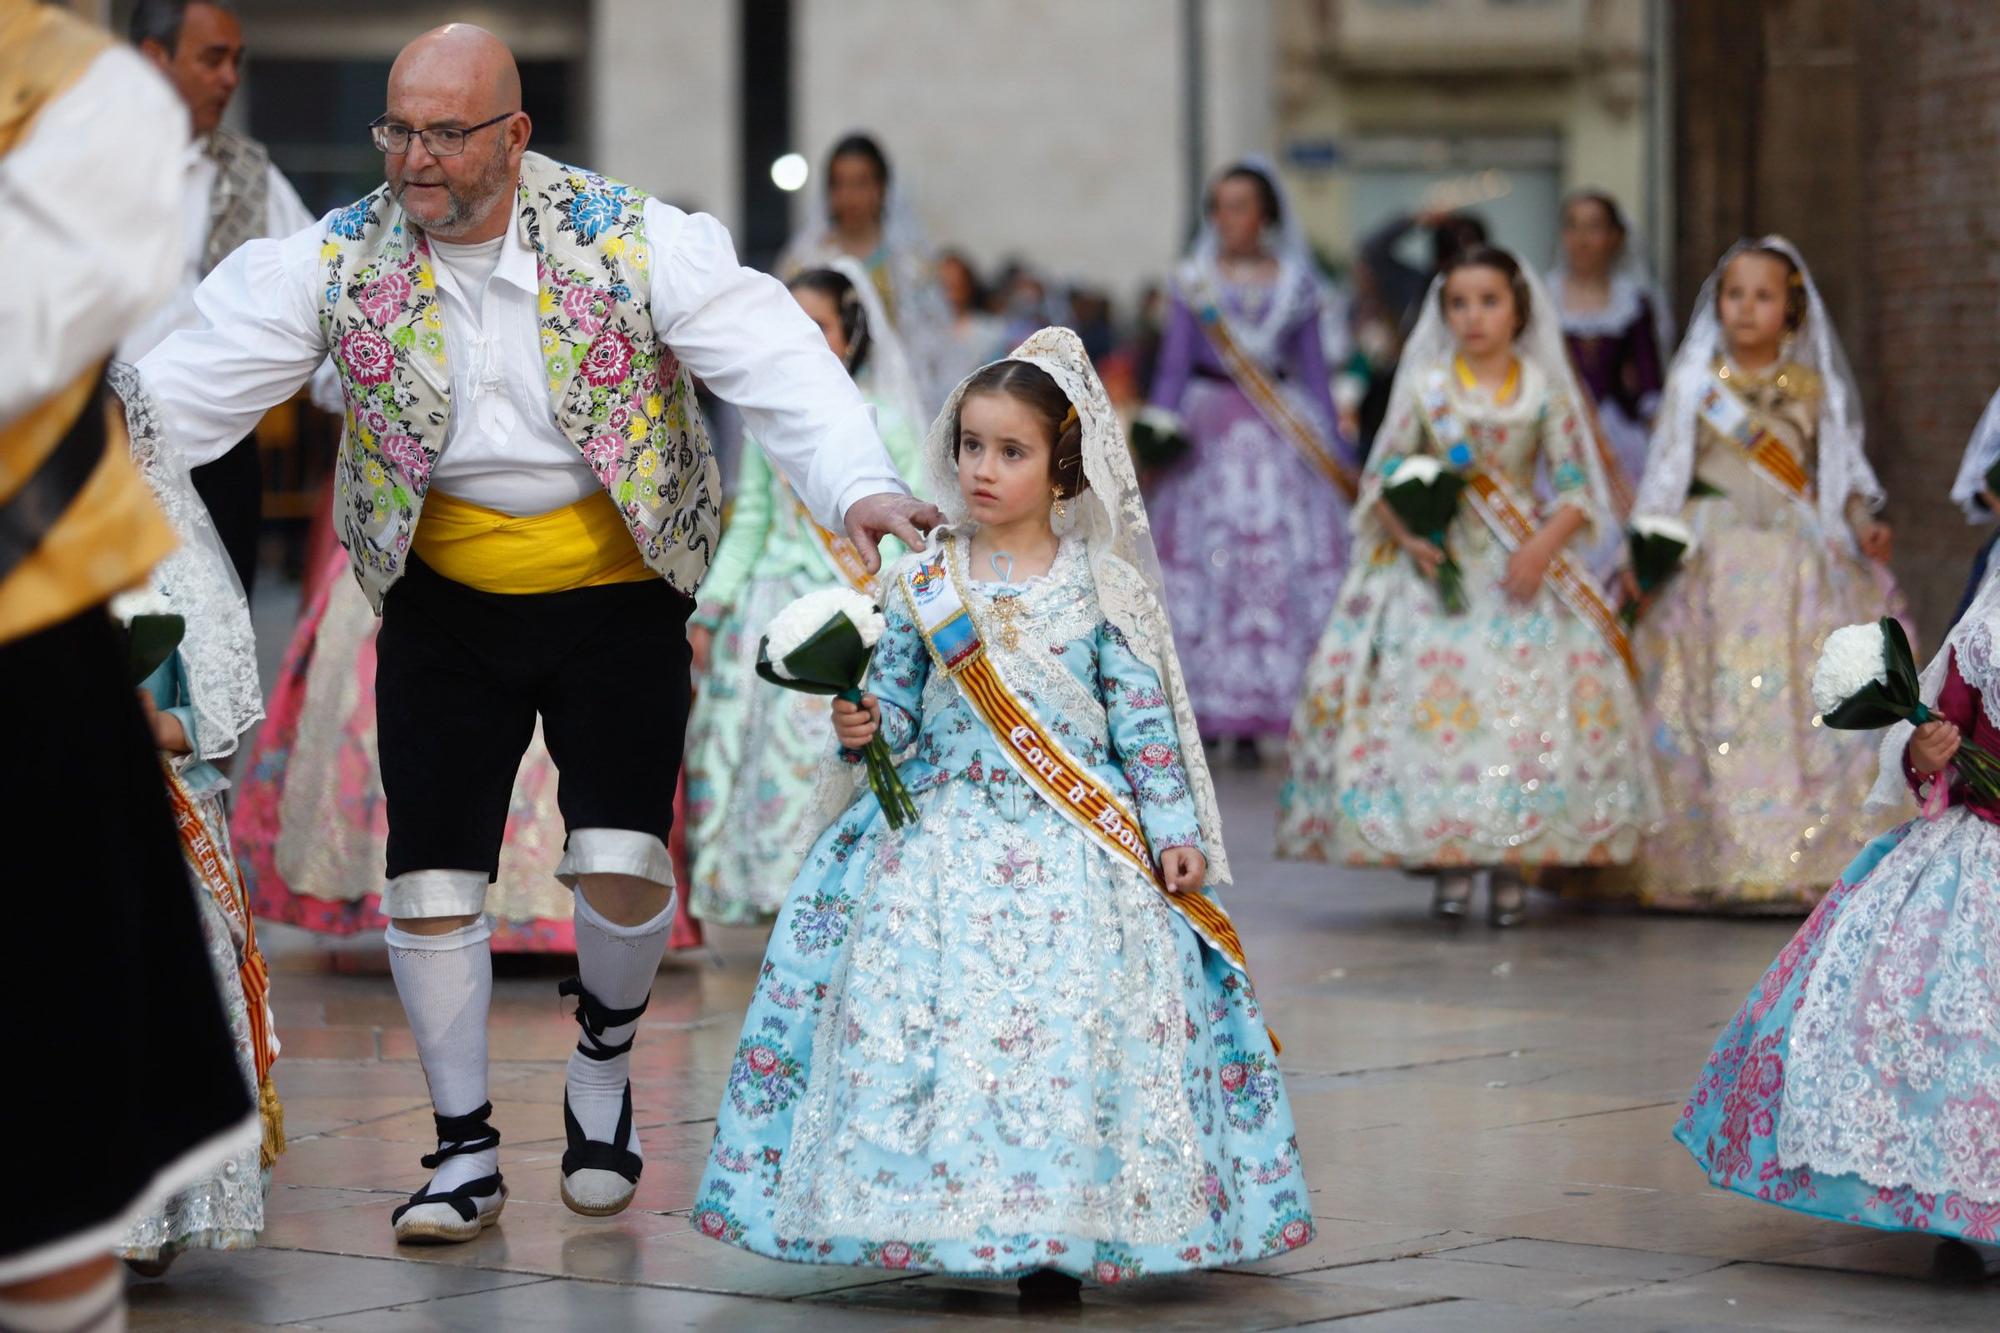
pixel 83 196
pixel 284 214
pixel 737 329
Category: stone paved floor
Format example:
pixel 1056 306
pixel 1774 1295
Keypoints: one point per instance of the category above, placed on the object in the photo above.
pixel 1485 1121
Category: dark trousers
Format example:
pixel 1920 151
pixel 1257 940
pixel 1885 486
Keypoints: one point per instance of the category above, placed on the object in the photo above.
pixel 233 489
pixel 460 677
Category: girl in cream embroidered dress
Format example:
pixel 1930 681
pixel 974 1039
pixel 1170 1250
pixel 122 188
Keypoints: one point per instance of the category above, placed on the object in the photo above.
pixel 983 1043
pixel 1768 804
pixel 1508 734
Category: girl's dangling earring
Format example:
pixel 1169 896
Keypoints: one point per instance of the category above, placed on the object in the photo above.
pixel 1058 513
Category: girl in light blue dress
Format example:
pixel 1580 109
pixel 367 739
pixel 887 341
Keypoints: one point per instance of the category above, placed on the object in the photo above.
pixel 1015 1038
pixel 1860 1080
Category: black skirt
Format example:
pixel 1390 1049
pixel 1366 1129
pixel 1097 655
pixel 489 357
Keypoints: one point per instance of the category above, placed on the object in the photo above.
pixel 122 1081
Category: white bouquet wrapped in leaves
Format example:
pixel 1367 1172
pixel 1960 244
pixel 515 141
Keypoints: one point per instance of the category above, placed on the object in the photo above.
pixel 1423 493
pixel 1866 679
pixel 821 644
pixel 1658 545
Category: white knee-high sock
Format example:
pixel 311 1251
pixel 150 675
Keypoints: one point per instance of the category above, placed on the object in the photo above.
pixel 616 964
pixel 446 984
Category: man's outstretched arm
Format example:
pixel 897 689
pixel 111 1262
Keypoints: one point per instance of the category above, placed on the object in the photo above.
pixel 742 333
pixel 258 342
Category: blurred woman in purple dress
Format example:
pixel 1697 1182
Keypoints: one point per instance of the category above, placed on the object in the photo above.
pixel 1616 324
pixel 1251 519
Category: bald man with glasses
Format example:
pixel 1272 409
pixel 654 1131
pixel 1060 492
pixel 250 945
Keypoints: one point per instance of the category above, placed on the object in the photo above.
pixel 527 495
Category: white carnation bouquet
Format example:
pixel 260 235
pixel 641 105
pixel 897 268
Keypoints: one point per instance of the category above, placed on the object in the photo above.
pixel 1159 439
pixel 822 644
pixel 152 630
pixel 1423 493
pixel 1866 679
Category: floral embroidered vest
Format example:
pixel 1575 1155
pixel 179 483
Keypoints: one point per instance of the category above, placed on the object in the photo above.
pixel 614 388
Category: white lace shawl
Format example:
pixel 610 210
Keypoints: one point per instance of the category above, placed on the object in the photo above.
pixel 1982 451
pixel 197 582
pixel 1631 282
pixel 922 315
pixel 1110 518
pixel 1842 470
pixel 887 375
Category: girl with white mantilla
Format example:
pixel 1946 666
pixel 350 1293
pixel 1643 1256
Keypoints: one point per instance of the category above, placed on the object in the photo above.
pixel 864 214
pixel 1758 449
pixel 753 751
pixel 1970 492
pixel 1252 522
pixel 1000 1041
pixel 1507 736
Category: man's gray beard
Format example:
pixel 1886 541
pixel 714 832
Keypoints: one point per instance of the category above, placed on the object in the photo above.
pixel 465 210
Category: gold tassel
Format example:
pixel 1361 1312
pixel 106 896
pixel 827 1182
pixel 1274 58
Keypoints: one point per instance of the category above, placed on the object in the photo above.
pixel 272 1112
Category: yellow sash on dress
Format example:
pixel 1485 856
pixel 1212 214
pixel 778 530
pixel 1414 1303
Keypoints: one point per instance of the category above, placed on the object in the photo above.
pixel 1734 420
pixel 840 553
pixel 1494 501
pixel 584 545
pixel 1278 414
pixel 1043 761
pixel 216 874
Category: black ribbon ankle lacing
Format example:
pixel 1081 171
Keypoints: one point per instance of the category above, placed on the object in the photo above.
pixel 458 1135
pixel 584 1153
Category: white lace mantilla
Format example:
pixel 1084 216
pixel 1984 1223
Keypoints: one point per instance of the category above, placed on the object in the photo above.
pixel 1841 469
pixel 1894 1056
pixel 196 582
pixel 1109 517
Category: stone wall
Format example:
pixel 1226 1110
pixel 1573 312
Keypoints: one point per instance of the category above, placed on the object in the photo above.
pixel 1869 132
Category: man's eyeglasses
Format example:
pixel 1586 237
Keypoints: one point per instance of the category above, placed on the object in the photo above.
pixel 439 141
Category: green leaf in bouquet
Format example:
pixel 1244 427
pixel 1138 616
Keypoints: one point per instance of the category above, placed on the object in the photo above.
pixel 149 641
pixel 1157 447
pixel 1884 702
pixel 831 660
pixel 1426 508
pixel 1902 663
pixel 1656 558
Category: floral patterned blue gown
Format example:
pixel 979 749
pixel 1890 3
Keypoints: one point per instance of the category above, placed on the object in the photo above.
pixel 982 1045
pixel 1861 1078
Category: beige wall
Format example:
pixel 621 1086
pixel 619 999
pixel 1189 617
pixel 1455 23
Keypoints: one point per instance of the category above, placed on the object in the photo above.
pixel 1585 81
pixel 1043 128
pixel 1240 62
pixel 663 86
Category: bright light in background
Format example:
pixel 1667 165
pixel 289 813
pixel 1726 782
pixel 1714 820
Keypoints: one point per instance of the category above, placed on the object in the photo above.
pixel 789 172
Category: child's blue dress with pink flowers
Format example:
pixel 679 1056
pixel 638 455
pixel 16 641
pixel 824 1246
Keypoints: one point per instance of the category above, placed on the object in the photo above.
pixel 1861 1079
pixel 982 1045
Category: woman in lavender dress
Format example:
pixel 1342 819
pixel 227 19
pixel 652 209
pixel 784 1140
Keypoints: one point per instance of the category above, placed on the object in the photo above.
pixel 1252 530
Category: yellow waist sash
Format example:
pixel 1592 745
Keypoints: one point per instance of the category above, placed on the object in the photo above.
pixel 583 545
